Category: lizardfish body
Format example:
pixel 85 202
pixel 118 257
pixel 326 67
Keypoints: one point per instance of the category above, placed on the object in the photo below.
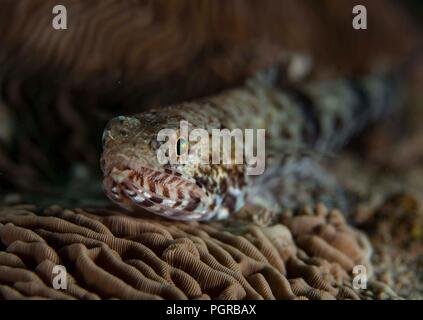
pixel 318 116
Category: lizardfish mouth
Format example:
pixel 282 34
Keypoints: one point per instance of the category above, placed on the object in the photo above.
pixel 165 193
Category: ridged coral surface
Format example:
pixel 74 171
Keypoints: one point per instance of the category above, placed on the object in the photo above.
pixel 108 255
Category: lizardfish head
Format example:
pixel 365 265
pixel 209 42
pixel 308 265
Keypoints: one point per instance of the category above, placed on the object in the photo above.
pixel 135 176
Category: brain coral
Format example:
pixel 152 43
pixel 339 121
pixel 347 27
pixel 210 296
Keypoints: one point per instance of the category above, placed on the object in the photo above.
pixel 308 255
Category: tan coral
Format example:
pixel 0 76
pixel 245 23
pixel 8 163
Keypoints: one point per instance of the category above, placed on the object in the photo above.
pixel 110 255
pixel 325 234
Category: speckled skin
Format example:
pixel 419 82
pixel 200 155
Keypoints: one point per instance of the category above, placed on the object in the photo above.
pixel 298 118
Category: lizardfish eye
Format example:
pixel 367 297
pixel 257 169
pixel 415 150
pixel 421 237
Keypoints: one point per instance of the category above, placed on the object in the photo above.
pixel 181 146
